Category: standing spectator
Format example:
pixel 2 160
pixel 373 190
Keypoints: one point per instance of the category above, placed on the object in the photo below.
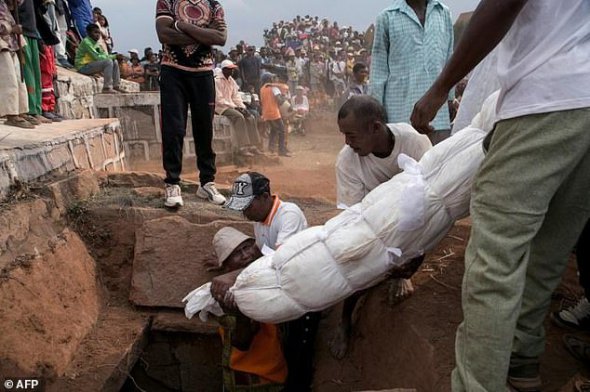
pixel 82 15
pixel 146 54
pixel 152 73
pixel 250 70
pixel 292 72
pixel 105 32
pixel 133 53
pixel 529 201
pixel 187 30
pixel 49 31
pixel 228 103
pixel 91 59
pixel 413 41
pixel 338 73
pixel 317 72
pixel 14 104
pixel 62 14
pixel 300 105
pixel 271 99
pixel 31 67
pixel 358 82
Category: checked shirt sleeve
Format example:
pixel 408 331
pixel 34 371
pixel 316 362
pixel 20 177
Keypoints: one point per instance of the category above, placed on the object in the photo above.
pixel 380 56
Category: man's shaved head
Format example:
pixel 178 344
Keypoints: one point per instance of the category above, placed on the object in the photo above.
pixel 364 108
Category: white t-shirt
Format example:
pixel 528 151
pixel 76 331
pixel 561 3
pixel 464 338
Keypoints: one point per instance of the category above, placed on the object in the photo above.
pixel 544 60
pixel 356 176
pixel 284 220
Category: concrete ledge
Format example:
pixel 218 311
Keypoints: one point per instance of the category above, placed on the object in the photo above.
pixel 76 93
pixel 30 155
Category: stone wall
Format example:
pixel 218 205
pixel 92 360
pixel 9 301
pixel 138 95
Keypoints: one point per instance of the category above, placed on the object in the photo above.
pixel 139 114
pixel 76 93
pixel 59 148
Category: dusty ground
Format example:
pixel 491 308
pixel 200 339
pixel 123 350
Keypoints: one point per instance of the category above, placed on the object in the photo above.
pixel 412 344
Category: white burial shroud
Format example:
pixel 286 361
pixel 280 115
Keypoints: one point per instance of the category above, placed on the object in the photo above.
pixel 401 219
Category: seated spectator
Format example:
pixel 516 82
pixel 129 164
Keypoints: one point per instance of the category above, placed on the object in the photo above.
pixel 228 102
pixel 135 72
pixel 300 106
pixel 91 59
pixel 152 73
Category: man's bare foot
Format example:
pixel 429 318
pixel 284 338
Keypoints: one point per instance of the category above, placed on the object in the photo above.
pixel 399 290
pixel 339 342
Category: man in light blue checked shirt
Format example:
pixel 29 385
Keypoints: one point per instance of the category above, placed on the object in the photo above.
pixel 413 41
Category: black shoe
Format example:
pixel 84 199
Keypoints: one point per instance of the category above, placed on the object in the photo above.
pixel 286 154
pixel 52 116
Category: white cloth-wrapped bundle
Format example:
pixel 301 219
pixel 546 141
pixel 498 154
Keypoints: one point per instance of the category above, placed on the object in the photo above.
pixel 398 220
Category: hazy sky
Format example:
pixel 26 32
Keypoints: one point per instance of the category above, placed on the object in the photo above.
pixel 132 21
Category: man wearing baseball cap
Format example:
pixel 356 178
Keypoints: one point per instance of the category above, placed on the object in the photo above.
pixel 252 356
pixel 228 102
pixel 274 222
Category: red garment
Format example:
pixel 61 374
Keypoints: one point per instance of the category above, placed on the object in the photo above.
pixel 48 73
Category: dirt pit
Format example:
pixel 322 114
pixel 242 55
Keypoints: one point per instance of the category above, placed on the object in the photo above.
pixel 67 276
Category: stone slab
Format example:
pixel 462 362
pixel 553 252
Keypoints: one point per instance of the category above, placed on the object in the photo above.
pixel 171 259
pixel 171 321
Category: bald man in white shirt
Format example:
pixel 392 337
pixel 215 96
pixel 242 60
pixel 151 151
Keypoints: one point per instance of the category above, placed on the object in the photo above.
pixel 369 159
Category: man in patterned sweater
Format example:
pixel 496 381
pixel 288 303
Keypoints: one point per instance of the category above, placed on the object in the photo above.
pixel 187 29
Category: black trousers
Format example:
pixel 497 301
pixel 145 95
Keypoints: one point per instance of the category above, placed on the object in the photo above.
pixel 180 90
pixel 583 259
pixel 298 347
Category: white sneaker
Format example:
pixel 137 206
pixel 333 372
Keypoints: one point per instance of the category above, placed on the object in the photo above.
pixel 209 192
pixel 173 196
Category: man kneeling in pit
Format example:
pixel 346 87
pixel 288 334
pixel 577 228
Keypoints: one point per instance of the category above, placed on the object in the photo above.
pixel 252 356
pixel 369 159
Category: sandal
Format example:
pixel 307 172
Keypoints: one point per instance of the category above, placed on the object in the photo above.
pixel 578 348
pixel 31 119
pixel 17 121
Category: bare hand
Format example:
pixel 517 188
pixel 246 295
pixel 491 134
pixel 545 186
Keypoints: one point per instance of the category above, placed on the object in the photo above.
pixel 220 286
pixel 426 108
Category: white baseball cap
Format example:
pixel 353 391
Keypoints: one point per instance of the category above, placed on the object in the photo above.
pixel 228 64
pixel 134 51
pixel 225 241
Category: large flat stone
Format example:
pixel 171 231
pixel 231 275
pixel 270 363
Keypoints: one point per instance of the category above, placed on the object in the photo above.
pixel 171 256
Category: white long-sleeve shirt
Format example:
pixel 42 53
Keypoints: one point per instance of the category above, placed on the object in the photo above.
pixel 227 95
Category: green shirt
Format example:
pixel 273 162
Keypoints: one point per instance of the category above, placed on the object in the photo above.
pixel 90 51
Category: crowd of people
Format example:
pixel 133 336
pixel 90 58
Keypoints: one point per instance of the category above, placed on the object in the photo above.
pixel 38 35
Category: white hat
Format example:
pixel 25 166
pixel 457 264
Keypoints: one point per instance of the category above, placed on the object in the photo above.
pixel 134 51
pixel 225 241
pixel 228 64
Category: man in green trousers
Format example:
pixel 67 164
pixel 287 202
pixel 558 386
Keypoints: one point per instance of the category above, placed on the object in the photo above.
pixel 531 196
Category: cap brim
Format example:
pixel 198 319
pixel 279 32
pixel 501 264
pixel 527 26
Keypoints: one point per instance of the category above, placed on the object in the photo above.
pixel 238 203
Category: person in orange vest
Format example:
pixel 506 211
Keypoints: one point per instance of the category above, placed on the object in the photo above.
pixel 271 99
pixel 252 358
